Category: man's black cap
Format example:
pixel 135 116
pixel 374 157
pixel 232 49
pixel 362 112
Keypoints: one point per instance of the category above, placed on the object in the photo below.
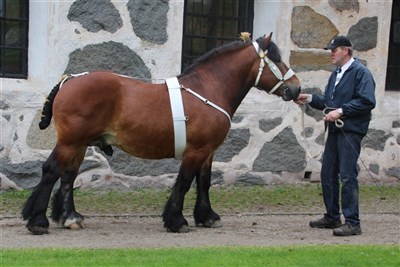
pixel 339 40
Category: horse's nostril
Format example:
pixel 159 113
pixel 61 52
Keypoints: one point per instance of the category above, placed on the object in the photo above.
pixel 294 94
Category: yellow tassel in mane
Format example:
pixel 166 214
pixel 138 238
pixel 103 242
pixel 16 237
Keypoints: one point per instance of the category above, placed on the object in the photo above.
pixel 245 36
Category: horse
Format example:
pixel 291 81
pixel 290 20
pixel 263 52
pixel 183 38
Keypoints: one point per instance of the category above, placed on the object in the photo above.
pixel 104 109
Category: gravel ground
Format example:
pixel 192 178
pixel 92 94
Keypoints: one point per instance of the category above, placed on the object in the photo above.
pixel 237 230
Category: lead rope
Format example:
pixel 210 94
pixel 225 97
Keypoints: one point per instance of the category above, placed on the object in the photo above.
pixel 362 162
pixel 339 123
pixel 306 144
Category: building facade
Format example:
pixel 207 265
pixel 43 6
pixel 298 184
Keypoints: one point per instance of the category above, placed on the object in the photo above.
pixel 270 142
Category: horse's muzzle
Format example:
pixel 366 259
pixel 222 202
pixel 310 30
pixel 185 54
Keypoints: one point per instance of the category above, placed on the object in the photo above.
pixel 291 93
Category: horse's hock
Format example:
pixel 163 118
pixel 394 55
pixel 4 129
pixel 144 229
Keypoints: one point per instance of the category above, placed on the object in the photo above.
pixel 265 144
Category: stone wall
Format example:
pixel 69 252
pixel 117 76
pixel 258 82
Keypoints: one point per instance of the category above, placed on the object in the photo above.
pixel 313 23
pixel 266 144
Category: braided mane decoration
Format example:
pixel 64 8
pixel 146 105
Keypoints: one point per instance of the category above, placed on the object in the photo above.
pixel 245 36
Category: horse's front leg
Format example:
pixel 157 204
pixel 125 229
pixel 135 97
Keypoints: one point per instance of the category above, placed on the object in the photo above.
pixel 203 213
pixel 172 215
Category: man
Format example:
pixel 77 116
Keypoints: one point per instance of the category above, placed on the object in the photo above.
pixel 349 97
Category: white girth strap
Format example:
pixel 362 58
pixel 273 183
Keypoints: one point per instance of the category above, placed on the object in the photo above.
pixel 178 115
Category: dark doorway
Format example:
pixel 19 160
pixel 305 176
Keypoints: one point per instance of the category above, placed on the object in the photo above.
pixel 393 67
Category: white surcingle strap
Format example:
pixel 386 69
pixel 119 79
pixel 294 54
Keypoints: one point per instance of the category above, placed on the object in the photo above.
pixel 178 115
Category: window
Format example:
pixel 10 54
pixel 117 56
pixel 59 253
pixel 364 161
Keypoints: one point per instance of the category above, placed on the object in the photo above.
pixel 211 23
pixel 393 68
pixel 14 38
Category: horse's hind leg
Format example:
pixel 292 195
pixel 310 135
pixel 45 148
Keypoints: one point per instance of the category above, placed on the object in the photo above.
pixel 63 210
pixel 203 213
pixel 54 168
pixel 36 205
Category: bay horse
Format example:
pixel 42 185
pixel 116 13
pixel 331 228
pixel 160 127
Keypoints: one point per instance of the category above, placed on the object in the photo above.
pixel 105 109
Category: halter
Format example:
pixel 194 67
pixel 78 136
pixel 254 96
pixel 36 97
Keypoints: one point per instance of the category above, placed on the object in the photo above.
pixel 273 68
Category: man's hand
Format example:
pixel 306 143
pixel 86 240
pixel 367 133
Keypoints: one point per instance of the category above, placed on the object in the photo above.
pixel 332 116
pixel 302 99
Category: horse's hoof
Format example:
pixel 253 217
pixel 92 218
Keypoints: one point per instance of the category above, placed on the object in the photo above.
pixel 216 224
pixel 184 229
pixel 213 224
pixel 74 224
pixel 38 230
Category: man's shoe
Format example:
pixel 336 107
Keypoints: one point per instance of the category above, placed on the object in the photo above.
pixel 325 223
pixel 348 230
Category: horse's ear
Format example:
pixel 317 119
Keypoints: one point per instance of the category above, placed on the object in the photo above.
pixel 267 40
pixel 263 42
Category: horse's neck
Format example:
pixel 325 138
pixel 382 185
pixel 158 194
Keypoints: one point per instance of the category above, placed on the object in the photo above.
pixel 225 81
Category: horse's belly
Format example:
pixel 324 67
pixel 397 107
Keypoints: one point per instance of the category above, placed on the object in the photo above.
pixel 147 146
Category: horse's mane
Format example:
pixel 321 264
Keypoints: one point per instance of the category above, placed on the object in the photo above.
pixel 273 52
pixel 214 52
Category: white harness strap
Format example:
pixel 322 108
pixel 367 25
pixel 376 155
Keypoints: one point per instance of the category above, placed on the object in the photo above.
pixel 72 75
pixel 260 70
pixel 272 66
pixel 208 102
pixel 278 74
pixel 178 115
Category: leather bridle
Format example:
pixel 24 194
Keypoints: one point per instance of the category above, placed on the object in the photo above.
pixel 275 70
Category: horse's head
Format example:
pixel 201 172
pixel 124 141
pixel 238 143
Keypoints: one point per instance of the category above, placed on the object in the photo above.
pixel 274 76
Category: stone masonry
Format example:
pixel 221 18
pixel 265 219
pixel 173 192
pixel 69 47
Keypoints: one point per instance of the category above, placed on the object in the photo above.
pixel 266 144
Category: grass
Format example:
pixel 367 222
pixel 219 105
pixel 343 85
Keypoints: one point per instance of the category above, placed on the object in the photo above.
pixel 334 255
pixel 252 199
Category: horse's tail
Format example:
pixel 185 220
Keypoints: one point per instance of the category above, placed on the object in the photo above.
pixel 47 110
